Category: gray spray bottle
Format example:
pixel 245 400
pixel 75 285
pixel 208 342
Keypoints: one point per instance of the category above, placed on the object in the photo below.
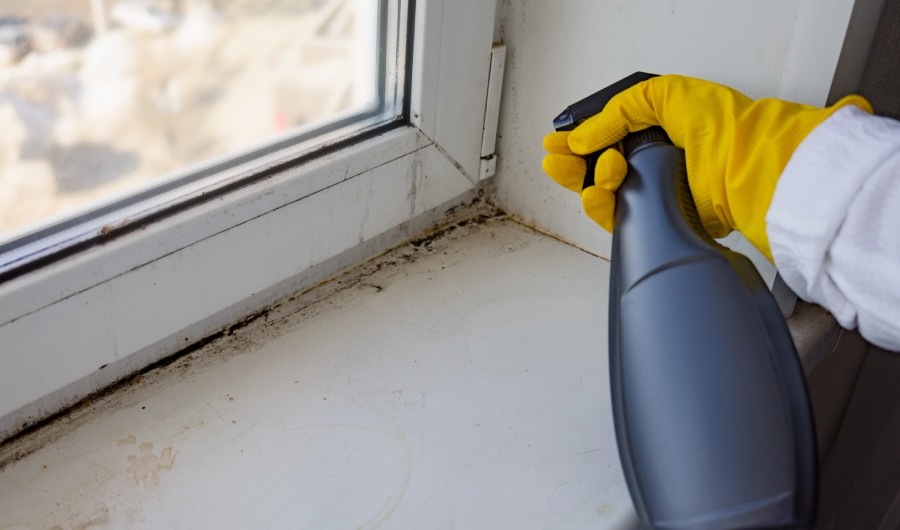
pixel 713 421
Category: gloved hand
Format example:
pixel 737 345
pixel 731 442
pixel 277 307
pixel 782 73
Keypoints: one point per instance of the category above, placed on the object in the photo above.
pixel 735 149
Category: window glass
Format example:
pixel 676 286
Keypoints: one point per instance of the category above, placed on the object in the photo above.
pixel 101 98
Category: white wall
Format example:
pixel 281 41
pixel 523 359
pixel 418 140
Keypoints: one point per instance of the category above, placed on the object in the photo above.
pixel 559 52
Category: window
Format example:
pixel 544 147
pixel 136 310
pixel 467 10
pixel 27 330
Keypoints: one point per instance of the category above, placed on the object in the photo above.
pixel 84 307
pixel 127 110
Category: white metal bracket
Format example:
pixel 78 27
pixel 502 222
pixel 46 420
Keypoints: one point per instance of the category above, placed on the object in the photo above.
pixel 492 112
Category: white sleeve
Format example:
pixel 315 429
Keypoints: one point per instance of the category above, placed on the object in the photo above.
pixel 834 222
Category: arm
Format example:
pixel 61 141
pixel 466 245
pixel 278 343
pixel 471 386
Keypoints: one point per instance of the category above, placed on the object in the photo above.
pixel 834 222
pixel 816 190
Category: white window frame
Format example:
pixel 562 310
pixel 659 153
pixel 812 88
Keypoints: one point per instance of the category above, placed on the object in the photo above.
pixel 83 322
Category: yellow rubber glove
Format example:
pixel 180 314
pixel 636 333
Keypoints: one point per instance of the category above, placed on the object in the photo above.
pixel 735 149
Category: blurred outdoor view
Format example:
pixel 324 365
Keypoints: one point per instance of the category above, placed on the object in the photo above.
pixel 100 96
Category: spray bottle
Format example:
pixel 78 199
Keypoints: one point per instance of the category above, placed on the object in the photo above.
pixel 712 416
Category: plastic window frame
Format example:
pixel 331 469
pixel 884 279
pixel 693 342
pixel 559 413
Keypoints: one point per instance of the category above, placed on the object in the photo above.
pixel 140 292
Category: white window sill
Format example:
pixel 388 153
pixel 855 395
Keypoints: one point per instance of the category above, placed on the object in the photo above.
pixel 459 381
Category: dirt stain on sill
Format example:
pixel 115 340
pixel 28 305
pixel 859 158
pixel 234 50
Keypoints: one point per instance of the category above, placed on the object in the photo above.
pixel 237 339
